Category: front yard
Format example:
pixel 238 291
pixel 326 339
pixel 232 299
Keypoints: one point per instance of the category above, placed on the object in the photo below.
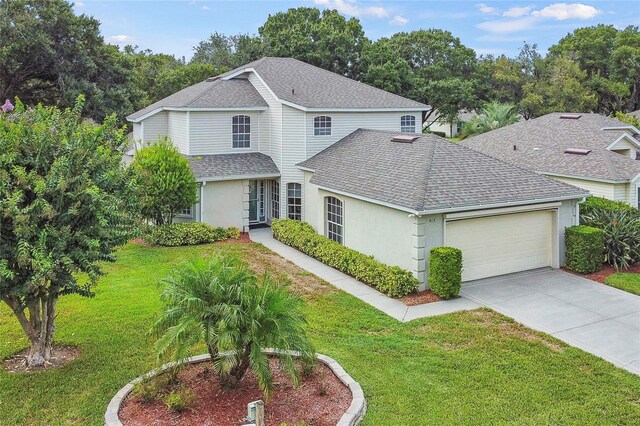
pixel 625 281
pixel 474 367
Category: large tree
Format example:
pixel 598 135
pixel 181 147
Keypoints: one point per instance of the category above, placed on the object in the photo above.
pixel 50 55
pixel 64 203
pixel 224 51
pixel 610 57
pixel 430 66
pixel 325 39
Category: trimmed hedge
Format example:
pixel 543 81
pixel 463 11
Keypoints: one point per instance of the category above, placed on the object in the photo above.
pixel 390 280
pixel 445 271
pixel 598 203
pixel 584 248
pixel 189 233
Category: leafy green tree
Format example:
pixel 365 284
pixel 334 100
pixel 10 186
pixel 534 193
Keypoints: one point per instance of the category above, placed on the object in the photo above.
pixel 228 52
pixel 629 119
pixel 491 117
pixel 561 87
pixel 611 60
pixel 64 203
pixel 218 302
pixel 325 39
pixel 50 55
pixel 166 184
pixel 171 80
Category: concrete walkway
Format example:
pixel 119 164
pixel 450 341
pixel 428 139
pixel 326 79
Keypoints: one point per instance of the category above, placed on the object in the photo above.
pixel 591 316
pixel 386 304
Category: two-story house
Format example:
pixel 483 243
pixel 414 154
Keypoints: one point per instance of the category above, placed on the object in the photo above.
pixel 244 132
pixel 279 138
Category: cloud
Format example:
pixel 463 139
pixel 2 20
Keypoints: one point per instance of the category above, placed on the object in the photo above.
pixel 487 10
pixel 79 4
pixel 516 12
pixel 563 11
pixel 120 38
pixel 507 26
pixel 206 8
pixel 399 20
pixel 351 8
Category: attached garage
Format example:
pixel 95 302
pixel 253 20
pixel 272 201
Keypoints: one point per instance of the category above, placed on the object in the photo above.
pixel 496 244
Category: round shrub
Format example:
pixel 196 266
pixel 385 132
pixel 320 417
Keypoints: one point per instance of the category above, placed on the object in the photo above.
pixel 584 248
pixel 445 271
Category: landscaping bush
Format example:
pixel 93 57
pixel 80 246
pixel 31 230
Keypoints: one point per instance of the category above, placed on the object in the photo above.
pixel 621 235
pixel 593 204
pixel 189 233
pixel 584 248
pixel 390 280
pixel 179 400
pixel 445 271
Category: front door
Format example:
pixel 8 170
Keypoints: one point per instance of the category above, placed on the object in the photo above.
pixel 256 202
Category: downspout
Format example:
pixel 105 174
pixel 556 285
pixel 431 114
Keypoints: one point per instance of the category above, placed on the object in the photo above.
pixel 578 209
pixel 201 199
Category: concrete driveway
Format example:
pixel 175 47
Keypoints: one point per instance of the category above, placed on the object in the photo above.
pixel 594 317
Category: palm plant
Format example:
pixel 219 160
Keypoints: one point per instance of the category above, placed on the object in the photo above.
pixel 221 304
pixel 621 233
pixel 493 116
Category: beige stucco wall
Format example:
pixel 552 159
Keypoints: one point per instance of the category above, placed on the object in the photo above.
pixel 223 203
pixel 378 231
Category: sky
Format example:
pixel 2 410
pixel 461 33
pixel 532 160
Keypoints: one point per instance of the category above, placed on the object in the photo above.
pixel 489 27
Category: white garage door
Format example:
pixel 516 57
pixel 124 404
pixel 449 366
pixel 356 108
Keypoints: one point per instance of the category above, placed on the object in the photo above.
pixel 497 245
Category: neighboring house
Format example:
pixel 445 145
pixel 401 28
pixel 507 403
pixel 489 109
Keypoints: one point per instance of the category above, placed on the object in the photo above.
pixel 590 151
pixel 244 131
pixel 450 128
pixel 278 138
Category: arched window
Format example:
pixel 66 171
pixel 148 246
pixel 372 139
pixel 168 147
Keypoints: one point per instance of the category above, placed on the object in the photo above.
pixel 408 123
pixel 294 201
pixel 241 131
pixel 322 126
pixel 334 217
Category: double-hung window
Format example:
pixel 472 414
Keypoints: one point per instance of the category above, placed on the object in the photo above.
pixel 408 123
pixel 334 227
pixel 241 131
pixel 294 201
pixel 322 126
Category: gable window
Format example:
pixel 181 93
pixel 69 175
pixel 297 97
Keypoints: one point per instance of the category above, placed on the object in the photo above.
pixel 322 126
pixel 275 199
pixel 408 123
pixel 294 201
pixel 241 131
pixel 334 219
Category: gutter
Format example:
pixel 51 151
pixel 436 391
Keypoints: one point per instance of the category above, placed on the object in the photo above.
pixel 237 177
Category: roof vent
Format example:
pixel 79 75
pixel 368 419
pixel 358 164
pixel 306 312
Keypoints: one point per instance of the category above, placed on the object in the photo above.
pixel 570 116
pixel 577 151
pixel 404 138
pixel 210 79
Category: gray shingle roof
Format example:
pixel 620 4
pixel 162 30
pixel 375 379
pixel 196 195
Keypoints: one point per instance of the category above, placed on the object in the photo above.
pixel 431 173
pixel 313 87
pixel 236 93
pixel 541 142
pixel 221 166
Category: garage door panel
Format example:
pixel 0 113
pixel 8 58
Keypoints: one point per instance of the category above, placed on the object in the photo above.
pixel 502 244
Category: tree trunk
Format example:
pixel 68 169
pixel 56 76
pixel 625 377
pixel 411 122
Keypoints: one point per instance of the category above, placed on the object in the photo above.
pixel 237 373
pixel 39 327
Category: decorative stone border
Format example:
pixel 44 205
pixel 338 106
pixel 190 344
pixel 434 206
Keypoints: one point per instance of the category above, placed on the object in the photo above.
pixel 351 417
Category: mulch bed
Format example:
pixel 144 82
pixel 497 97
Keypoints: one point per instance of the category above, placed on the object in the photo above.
pixel 607 270
pixel 321 399
pixel 60 356
pixel 419 298
pixel 244 238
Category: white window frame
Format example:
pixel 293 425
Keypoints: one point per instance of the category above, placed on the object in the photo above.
pixel 187 213
pixel 275 199
pixel 241 131
pixel 408 128
pixel 334 219
pixel 322 125
pixel 291 186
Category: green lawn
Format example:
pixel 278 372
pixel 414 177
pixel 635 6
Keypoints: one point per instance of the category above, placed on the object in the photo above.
pixel 625 281
pixel 475 367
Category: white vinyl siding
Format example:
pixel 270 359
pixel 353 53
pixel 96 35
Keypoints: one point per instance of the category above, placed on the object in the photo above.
pixel 137 131
pixel 293 146
pixel 156 127
pixel 270 126
pixel 344 123
pixel 210 132
pixel 624 147
pixel 621 193
pixel 177 127
pixel 597 189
